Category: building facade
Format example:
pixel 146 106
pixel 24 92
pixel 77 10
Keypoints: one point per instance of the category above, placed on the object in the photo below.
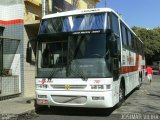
pixel 53 6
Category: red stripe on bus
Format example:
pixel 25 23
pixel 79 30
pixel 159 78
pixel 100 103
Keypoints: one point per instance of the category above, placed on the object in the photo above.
pixel 12 22
pixel 127 69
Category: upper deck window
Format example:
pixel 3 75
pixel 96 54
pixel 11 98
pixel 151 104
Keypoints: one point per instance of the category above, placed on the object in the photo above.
pixel 74 23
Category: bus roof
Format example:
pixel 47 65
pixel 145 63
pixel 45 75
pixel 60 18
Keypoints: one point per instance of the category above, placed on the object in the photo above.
pixel 86 11
pixel 78 12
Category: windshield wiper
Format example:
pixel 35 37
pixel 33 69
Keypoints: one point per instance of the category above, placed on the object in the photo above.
pixel 78 72
pixel 107 54
pixel 81 73
pixel 53 72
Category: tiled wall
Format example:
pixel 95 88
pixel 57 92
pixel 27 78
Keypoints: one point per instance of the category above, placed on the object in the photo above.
pixel 11 17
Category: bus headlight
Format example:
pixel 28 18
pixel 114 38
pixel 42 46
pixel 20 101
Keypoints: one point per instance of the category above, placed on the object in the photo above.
pixel 41 86
pixel 97 86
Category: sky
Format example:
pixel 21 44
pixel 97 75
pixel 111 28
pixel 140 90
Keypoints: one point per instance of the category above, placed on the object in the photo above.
pixel 139 13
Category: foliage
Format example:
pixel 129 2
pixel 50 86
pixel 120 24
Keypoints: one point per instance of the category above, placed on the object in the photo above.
pixel 151 39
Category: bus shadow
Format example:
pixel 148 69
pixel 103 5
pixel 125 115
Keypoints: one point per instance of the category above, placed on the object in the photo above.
pixel 68 111
pixel 153 95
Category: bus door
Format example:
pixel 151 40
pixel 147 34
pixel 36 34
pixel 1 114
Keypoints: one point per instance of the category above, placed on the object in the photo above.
pixel 115 46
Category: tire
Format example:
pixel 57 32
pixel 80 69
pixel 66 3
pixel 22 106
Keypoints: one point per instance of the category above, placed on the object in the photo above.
pixel 139 86
pixel 121 94
pixel 140 81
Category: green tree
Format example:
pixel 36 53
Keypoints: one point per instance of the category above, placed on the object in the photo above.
pixel 151 40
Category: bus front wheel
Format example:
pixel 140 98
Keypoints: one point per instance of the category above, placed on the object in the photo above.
pixel 121 94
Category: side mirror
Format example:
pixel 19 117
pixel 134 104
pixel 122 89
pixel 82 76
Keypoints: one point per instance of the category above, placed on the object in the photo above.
pixel 28 54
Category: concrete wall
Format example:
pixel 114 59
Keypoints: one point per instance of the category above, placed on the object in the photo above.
pixel 29 74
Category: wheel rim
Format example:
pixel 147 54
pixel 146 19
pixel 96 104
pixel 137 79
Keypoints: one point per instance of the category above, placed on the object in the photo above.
pixel 121 93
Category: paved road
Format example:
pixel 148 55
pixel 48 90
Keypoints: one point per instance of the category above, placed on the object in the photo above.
pixel 141 104
pixel 145 100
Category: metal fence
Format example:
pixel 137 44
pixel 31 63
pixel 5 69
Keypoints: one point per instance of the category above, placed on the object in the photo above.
pixel 9 85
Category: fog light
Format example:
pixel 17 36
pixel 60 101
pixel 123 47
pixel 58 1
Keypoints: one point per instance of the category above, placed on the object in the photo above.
pixel 97 86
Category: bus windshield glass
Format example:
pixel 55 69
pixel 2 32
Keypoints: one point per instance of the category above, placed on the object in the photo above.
pixel 84 46
pixel 96 21
pixel 75 55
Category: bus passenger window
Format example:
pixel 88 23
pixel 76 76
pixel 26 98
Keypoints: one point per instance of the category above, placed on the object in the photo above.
pixel 115 28
pixel 124 35
pixel 129 39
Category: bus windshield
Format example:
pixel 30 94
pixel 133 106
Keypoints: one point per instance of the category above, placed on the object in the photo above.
pixel 74 23
pixel 80 55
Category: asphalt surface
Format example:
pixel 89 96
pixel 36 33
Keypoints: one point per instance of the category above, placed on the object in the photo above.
pixel 139 105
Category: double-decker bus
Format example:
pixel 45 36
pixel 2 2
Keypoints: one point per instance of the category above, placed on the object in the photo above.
pixel 87 58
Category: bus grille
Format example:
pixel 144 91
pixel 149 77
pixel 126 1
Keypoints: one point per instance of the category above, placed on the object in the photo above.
pixel 69 86
pixel 69 99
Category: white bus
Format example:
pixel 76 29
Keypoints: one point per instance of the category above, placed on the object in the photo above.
pixel 87 58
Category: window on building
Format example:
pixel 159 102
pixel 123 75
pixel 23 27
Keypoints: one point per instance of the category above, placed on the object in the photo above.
pixel 75 3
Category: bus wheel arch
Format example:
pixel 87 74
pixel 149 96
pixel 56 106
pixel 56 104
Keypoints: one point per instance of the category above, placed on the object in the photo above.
pixel 121 92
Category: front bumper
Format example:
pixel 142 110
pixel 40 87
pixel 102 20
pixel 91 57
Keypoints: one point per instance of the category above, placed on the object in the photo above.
pixel 75 99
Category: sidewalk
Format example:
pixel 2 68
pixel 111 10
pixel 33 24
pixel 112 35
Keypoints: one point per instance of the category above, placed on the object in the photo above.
pixel 17 106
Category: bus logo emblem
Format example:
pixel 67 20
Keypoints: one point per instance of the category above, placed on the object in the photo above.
pixel 67 87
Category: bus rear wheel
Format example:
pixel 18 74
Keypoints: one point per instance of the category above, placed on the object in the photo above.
pixel 140 81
